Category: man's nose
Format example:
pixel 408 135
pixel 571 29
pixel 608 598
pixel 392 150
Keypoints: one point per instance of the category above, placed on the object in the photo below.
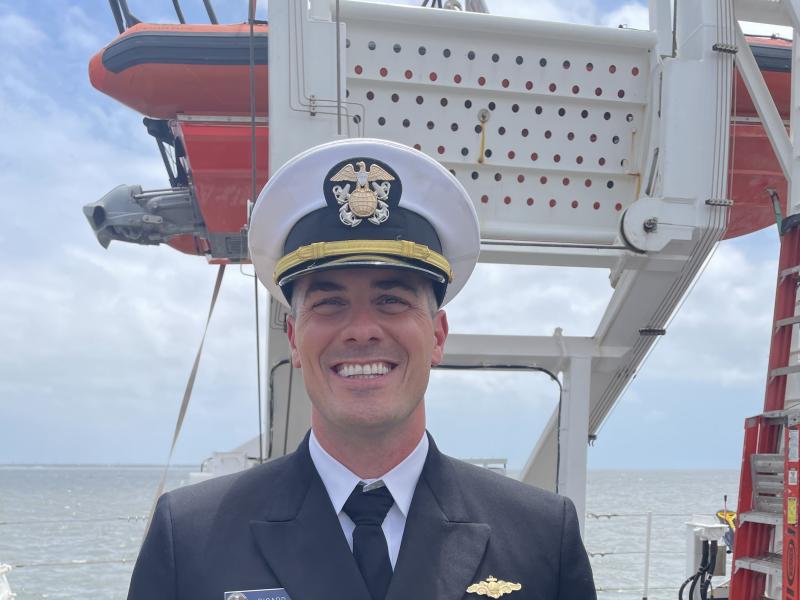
pixel 362 325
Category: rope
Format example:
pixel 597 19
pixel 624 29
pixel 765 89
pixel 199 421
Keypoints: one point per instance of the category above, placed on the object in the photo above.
pixel 187 395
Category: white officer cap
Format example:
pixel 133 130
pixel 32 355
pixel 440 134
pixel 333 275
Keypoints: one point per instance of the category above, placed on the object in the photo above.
pixel 363 202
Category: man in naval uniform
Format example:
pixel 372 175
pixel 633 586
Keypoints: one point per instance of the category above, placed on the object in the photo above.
pixel 365 241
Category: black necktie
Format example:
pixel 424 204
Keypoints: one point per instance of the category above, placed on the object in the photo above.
pixel 368 510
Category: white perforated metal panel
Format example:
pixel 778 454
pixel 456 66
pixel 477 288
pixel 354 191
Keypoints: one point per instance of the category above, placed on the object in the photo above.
pixel 540 123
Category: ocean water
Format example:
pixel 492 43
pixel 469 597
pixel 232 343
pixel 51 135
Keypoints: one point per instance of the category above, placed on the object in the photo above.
pixel 73 532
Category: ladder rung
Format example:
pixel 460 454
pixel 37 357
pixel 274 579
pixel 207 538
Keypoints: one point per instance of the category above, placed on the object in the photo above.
pixel 788 321
pixel 769 504
pixel 767 463
pixel 769 563
pixel 760 516
pixel 769 486
pixel 791 369
pixel 790 271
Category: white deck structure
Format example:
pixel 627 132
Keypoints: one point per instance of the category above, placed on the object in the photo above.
pixel 581 146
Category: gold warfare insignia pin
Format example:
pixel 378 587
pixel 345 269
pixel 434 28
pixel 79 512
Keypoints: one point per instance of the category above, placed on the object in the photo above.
pixel 493 587
pixel 368 199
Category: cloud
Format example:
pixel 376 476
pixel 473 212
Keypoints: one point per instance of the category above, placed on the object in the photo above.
pixel 19 32
pixel 632 16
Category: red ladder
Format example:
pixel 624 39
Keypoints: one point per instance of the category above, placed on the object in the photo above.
pixel 767 486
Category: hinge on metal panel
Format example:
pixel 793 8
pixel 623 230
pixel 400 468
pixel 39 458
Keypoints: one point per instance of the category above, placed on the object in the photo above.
pixel 312 105
pixel 719 202
pixel 725 48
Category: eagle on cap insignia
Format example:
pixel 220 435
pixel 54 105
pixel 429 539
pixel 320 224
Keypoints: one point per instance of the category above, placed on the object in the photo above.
pixel 364 202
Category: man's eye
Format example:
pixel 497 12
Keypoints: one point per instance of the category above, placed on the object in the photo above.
pixel 327 304
pixel 393 303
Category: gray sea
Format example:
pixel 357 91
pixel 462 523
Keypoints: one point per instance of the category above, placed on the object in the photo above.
pixel 74 531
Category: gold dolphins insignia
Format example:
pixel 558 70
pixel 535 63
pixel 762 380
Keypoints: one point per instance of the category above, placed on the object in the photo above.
pixel 363 202
pixel 493 587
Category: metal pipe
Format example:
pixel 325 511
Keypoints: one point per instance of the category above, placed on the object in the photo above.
pixel 166 192
pixel 130 20
pixel 117 15
pixel 647 538
pixel 338 73
pixel 178 11
pixel 210 10
pixel 525 243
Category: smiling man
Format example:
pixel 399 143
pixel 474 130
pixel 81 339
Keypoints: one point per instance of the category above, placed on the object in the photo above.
pixel 364 241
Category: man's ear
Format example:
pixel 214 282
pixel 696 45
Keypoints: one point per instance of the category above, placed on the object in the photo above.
pixel 290 333
pixel 440 329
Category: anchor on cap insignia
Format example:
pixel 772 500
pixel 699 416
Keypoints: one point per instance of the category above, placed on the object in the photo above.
pixel 363 202
pixel 493 587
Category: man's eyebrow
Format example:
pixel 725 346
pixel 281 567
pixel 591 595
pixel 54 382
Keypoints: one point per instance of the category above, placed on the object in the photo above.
pixel 322 285
pixel 388 284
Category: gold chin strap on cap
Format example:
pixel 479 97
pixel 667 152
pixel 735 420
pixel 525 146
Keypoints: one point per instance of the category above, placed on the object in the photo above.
pixel 403 249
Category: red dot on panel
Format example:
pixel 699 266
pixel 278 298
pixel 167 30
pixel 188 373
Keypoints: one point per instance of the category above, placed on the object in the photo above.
pixel 612 69
pixel 417 147
pixel 565 181
pixel 433 76
pixel 618 207
pixel 511 154
pixel 621 94
pixel 520 178
pixel 596 205
pixel 593 137
pixel 359 69
pixel 552 202
pixel 484 198
pixel 570 136
pixel 384 71
pixel 635 71
pixel 440 149
pixel 552 87
pixel 408 74
pixel 530 201
pixel 534 156
pixel 575 89
pixel 574 204
pixel 589 67
pixel 598 91
pixel 588 183
pixel 528 85
pixel 457 78
pixel 543 179
pixel 505 83
pixel 557 157
pixel 507 199
pixel 481 80
pixel 601 161
pixel 579 159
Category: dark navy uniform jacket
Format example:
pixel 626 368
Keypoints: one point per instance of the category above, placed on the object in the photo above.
pixel 273 526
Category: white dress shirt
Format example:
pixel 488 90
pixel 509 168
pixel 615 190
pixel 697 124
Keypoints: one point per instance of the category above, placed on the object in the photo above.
pixel 401 481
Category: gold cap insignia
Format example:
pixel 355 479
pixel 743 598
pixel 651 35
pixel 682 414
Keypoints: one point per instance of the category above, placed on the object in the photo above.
pixel 363 202
pixel 493 587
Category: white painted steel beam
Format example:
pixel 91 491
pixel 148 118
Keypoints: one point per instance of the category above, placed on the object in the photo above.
pixel 762 11
pixel 765 106
pixel 574 433
pixel 792 8
pixel 793 202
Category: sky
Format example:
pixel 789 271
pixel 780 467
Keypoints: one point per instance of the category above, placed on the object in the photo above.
pixel 96 345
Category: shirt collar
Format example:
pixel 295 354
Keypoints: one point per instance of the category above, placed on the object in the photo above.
pixel 339 481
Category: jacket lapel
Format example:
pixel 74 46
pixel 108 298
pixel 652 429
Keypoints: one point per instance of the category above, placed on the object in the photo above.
pixel 442 548
pixel 301 538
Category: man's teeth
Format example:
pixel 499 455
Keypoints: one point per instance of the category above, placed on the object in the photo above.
pixel 363 371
